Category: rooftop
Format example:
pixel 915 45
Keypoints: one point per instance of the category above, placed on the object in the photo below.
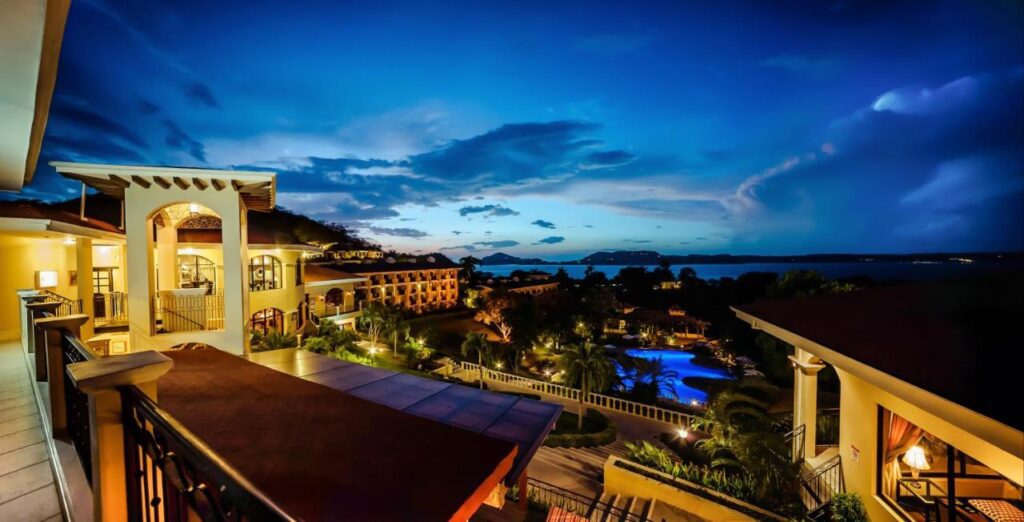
pixel 35 210
pixel 398 266
pixel 320 273
pixel 323 447
pixel 960 339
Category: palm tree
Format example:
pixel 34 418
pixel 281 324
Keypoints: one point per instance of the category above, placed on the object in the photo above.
pixel 659 377
pixel 395 327
pixel 587 367
pixel 373 320
pixel 477 342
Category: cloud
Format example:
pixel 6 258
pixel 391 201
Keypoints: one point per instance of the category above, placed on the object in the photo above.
pixel 543 224
pixel 86 122
pixel 89 147
pixel 798 63
pixel 200 94
pixel 398 232
pixel 504 243
pixel 637 241
pixel 550 240
pixel 457 232
pixel 180 140
pixel 488 211
pixel 147 107
pixel 614 44
pixel 606 159
pixel 468 248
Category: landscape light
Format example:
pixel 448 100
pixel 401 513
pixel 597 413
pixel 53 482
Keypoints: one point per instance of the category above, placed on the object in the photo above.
pixel 683 433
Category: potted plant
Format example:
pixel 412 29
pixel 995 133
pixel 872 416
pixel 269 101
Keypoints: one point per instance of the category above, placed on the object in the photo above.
pixel 848 507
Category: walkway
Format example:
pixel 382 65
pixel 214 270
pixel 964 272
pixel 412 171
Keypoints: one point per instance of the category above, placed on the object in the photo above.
pixel 581 469
pixel 27 489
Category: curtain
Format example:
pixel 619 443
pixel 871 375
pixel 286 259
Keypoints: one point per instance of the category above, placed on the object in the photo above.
pixel 900 436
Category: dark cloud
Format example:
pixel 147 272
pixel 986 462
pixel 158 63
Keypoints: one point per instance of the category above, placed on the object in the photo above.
pixel 85 122
pixel 90 148
pixel 180 140
pixel 147 107
pixel 550 240
pixel 469 248
pixel 200 94
pixel 504 243
pixel 637 241
pixel 606 159
pixel 488 211
pixel 399 232
pixel 543 224
pixel 457 232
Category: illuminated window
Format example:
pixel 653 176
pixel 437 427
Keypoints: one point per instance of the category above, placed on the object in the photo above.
pixel 268 320
pixel 197 272
pixel 264 273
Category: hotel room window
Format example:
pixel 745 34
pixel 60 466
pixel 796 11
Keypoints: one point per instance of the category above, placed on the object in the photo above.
pixel 268 320
pixel 264 273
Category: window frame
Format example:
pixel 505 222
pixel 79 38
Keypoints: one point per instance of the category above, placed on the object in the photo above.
pixel 262 323
pixel 262 283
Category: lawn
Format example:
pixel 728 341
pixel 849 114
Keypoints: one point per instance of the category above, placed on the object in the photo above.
pixel 566 425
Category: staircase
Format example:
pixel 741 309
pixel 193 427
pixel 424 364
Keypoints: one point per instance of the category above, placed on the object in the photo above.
pixel 588 462
pixel 819 483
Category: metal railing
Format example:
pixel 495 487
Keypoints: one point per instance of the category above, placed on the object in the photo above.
pixel 924 498
pixel 76 403
pixel 646 411
pixel 818 485
pixel 110 308
pixel 795 442
pixel 548 495
pixel 67 306
pixel 171 475
pixel 188 313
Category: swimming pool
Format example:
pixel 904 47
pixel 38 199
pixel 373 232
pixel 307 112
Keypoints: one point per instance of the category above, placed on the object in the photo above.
pixel 682 363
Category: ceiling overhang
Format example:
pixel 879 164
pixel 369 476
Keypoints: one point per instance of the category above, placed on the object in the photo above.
pixel 257 189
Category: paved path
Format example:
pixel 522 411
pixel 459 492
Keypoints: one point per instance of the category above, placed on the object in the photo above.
pixel 27 489
pixel 581 469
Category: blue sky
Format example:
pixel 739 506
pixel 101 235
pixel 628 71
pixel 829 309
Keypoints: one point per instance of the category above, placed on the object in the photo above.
pixel 557 130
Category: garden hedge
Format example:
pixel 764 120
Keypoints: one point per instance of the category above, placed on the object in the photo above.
pixel 585 440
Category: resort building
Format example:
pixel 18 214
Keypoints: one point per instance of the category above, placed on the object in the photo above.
pixel 334 295
pixel 930 423
pixel 521 286
pixel 423 286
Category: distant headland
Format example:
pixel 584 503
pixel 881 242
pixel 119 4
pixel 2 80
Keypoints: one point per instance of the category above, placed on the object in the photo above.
pixel 649 257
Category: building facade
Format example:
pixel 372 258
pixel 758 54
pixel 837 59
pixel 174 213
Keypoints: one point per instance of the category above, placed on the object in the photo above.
pixel 416 287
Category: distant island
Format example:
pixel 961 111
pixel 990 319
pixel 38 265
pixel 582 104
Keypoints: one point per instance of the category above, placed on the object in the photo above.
pixel 649 257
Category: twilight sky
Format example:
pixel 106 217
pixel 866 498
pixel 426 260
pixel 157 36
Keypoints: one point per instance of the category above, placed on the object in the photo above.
pixel 557 130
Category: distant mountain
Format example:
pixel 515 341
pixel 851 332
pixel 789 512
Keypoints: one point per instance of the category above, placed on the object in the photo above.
pixel 501 258
pixel 648 257
pixel 623 257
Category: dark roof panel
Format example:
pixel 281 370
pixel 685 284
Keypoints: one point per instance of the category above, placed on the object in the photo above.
pixel 960 340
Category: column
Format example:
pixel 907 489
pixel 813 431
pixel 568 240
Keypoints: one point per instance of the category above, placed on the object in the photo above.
pixel 805 397
pixel 83 265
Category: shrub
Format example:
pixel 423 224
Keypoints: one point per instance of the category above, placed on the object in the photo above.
pixel 848 507
pixel 317 345
pixel 585 440
pixel 739 485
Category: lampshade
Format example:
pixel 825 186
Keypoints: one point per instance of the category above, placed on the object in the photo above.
pixel 915 458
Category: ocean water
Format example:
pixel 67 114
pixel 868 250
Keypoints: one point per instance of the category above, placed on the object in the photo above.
pixel 879 270
pixel 682 363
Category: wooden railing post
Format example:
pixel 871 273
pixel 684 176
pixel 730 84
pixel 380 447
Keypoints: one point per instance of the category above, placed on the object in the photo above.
pixel 53 328
pixel 100 379
pixel 37 340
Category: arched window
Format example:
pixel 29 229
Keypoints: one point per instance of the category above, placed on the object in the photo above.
pixel 264 273
pixel 268 320
pixel 335 297
pixel 197 272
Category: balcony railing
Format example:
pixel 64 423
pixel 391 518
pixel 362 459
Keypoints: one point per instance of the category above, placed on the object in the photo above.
pixel 67 306
pixel 173 476
pixel 110 309
pixel 188 313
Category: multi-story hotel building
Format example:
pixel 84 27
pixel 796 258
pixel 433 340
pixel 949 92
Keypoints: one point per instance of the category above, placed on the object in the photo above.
pixel 427 285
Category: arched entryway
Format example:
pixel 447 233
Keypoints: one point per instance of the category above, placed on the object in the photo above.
pixel 268 320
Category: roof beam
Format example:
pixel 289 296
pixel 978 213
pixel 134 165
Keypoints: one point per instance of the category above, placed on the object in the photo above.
pixel 162 182
pixel 217 184
pixel 141 181
pixel 199 183
pixel 117 180
pixel 237 185
pixel 182 183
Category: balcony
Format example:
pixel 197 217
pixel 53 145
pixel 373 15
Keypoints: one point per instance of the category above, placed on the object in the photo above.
pixel 160 436
pixel 110 310
pixel 187 310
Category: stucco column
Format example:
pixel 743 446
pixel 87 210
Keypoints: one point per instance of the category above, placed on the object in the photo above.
pixel 805 397
pixel 83 266
pixel 167 257
pixel 100 379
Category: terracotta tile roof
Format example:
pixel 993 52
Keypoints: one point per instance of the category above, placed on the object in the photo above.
pixel 957 339
pixel 36 210
pixel 320 273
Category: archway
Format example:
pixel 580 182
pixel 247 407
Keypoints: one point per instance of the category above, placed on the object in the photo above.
pixel 268 320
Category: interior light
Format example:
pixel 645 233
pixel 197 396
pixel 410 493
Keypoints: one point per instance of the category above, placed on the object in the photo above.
pixel 69 241
pixel 915 458
pixel 193 208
